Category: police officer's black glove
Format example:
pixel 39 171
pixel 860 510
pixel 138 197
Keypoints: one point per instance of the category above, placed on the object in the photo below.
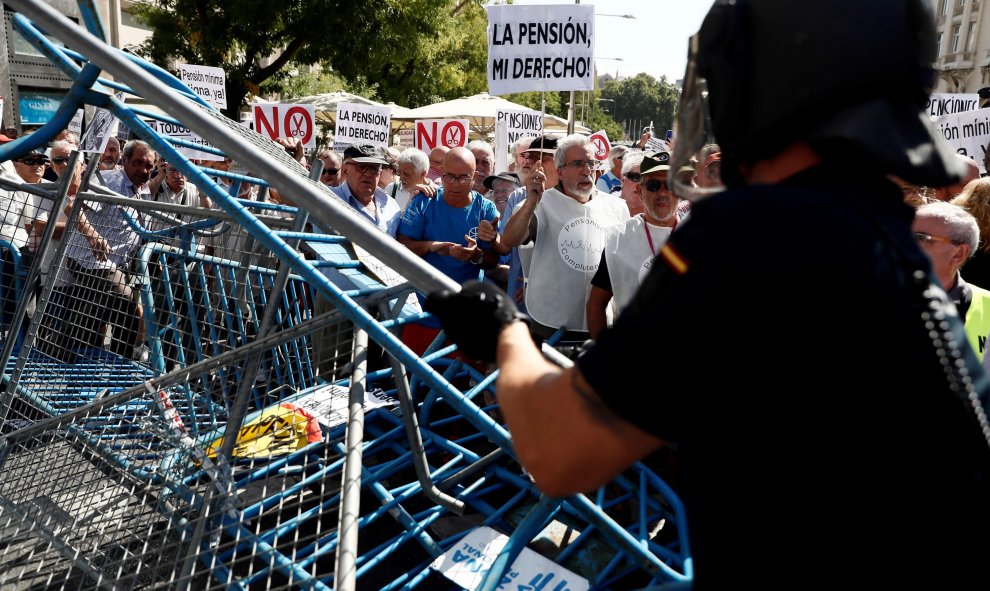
pixel 474 317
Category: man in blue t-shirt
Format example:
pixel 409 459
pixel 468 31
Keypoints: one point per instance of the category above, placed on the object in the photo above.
pixel 444 231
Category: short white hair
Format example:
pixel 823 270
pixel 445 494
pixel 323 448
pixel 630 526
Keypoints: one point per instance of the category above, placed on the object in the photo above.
pixel 416 157
pixel 575 139
pixel 631 159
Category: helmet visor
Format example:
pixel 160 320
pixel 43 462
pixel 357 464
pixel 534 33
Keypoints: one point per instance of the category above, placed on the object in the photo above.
pixel 693 130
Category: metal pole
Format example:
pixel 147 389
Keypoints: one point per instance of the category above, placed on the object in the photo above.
pixel 570 109
pixel 345 576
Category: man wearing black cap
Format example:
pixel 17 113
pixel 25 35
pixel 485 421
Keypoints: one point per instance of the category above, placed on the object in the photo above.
pixel 631 247
pixel 499 187
pixel 362 168
pixel 820 389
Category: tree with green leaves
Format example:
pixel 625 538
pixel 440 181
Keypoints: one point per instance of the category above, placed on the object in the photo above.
pixel 642 98
pixel 413 52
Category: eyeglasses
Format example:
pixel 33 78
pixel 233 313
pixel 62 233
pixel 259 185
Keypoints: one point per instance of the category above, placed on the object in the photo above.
pixel 633 176
pixel 924 238
pixel 330 171
pixel 366 167
pixel 534 156
pixel 33 161
pixel 655 185
pixel 592 164
pixel 60 160
pixel 461 178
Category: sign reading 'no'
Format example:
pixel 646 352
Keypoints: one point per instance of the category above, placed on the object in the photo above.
pixel 431 133
pixel 286 120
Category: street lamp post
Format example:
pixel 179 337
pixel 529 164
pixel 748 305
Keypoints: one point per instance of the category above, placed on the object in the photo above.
pixel 571 109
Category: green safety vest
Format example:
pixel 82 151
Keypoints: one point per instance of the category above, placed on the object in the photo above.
pixel 978 320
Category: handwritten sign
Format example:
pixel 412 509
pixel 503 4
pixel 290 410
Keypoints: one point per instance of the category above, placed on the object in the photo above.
pixel 968 132
pixel 362 124
pixel 541 47
pixel 184 133
pixel 469 561
pixel 520 123
pixel 206 81
pixel 947 103
pixel 329 403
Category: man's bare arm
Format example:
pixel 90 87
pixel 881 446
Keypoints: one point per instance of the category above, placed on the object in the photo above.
pixel 562 431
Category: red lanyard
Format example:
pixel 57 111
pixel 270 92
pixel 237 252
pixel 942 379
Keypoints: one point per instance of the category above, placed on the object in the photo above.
pixel 649 238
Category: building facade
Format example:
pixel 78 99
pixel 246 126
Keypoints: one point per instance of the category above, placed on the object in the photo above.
pixel 963 46
pixel 31 87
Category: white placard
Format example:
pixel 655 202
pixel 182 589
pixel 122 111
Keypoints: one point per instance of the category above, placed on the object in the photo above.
pixel 470 559
pixel 431 133
pixel 967 132
pixel 206 81
pixel 947 103
pixel 520 123
pixel 599 140
pixel 406 138
pixel 100 130
pixel 545 47
pixel 329 403
pixel 501 146
pixel 362 124
pixel 388 277
pixel 281 120
pixel 184 133
pixel 75 124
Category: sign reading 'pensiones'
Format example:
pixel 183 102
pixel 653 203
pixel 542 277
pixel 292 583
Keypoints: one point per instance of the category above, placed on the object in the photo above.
pixel 548 47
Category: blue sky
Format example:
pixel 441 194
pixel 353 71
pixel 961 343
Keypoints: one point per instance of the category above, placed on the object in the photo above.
pixel 655 42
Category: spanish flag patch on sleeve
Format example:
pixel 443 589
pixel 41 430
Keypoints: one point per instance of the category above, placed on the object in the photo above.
pixel 674 259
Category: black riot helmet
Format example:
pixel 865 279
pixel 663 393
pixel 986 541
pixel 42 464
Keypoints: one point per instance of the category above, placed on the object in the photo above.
pixel 849 75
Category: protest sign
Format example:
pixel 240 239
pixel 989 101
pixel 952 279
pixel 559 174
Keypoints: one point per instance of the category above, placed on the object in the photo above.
pixel 103 126
pixel 968 132
pixel 276 120
pixel 362 124
pixel 947 103
pixel 520 122
pixel 76 123
pixel 541 47
pixel 206 81
pixel 501 146
pixel 406 139
pixel 431 133
pixel 469 560
pixel 599 140
pixel 177 131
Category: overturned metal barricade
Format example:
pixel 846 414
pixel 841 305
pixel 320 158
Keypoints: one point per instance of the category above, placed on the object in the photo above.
pixel 275 433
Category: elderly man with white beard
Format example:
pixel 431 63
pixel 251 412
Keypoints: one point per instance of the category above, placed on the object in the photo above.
pixel 567 225
pixel 631 247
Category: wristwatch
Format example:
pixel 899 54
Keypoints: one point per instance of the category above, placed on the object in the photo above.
pixel 481 257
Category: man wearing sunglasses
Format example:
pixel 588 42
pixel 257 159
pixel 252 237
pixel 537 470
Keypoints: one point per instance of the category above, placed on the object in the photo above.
pixel 949 235
pixel 566 224
pixel 19 208
pixel 363 165
pixel 332 165
pixel 630 248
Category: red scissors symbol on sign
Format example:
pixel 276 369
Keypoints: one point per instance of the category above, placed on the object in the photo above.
pixel 601 146
pixel 452 136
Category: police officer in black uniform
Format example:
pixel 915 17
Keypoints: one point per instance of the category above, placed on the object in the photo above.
pixel 829 415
